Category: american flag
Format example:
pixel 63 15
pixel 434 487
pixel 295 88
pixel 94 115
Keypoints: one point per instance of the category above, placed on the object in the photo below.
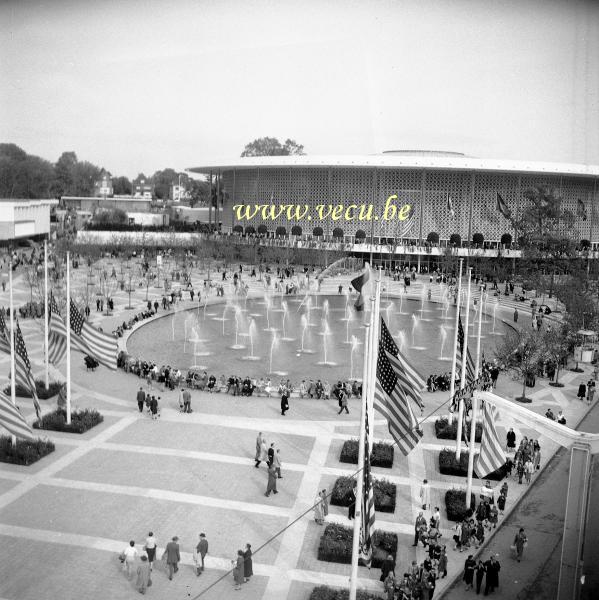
pixel 23 374
pixel 390 397
pixel 4 339
pixel 57 334
pixel 368 511
pixel 88 339
pixel 12 420
pixel 491 456
pixel 470 366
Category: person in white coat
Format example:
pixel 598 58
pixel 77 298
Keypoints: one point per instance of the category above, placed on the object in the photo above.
pixel 425 495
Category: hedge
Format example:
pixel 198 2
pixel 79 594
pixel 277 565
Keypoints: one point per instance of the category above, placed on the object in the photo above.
pixel 384 493
pixel 323 592
pixel 448 465
pixel 455 505
pixel 81 421
pixel 40 390
pixel 336 545
pixel 25 452
pixel 382 454
pixel 445 430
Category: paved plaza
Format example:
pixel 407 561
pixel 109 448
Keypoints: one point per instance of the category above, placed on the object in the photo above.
pixel 65 519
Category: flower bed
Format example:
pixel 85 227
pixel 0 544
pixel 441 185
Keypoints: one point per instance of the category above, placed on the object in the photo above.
pixel 446 430
pixel 384 493
pixel 40 389
pixel 323 592
pixel 336 545
pixel 455 505
pixel 25 452
pixel 382 454
pixel 81 421
pixel 448 465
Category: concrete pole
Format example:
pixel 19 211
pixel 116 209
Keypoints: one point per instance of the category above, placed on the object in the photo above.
pixel 458 441
pixel 455 335
pixel 68 324
pixel 46 312
pixel 13 395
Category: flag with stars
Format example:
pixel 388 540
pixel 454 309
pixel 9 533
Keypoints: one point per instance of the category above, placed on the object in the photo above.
pixel 390 397
pixel 470 366
pixel 23 374
pixel 491 456
pixel 92 341
pixel 4 339
pixel 12 420
pixel 368 510
pixel 57 334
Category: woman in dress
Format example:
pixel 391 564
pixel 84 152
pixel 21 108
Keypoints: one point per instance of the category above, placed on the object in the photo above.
pixel 318 510
pixel 238 569
pixel 143 575
pixel 469 566
pixel 247 563
pixel 150 548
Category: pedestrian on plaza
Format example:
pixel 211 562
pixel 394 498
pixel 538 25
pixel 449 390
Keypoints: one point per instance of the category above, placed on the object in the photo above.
pixel 425 495
pixel 387 566
pixel 238 568
pixel 560 418
pixel 442 564
pixel 141 399
pixel 528 470
pixel 536 456
pixel 284 401
pixel 261 450
pixel 271 454
pixel 129 555
pixel 468 576
pixel 493 567
pixel 186 401
pixel 154 407
pixel 501 503
pixel 272 481
pixel 582 391
pixel 351 509
pixel 150 548
pixel 277 463
pixel 590 391
pixel 318 510
pixel 418 526
pixel 515 315
pixel 143 575
pixel 389 585
pixel 520 542
pixel 200 553
pixel 248 567
pixel 325 502
pixel 479 571
pixel 457 536
pixel 173 557
pixel 437 518
pixel 343 403
pixel 511 440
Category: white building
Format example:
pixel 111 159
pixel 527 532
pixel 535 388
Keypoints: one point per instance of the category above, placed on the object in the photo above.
pixel 25 218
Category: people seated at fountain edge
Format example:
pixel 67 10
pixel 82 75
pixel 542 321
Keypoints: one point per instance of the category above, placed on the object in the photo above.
pixel 211 383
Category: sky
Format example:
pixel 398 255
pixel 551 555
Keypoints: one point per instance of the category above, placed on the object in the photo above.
pixel 143 85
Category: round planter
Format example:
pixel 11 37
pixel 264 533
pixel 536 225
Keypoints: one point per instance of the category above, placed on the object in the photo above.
pixel 524 400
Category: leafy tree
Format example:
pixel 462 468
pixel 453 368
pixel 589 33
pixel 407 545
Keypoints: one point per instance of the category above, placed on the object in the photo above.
pixel 64 174
pixel 557 347
pixel 122 186
pixel 113 216
pixel 163 180
pixel 23 175
pixel 268 146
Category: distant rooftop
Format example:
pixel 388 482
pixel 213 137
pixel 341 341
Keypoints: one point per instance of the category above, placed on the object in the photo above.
pixel 425 153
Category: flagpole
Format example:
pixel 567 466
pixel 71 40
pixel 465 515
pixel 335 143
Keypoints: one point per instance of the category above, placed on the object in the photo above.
pixel 477 370
pixel 13 395
pixel 455 336
pixel 376 325
pixel 68 323
pixel 46 310
pixel 355 556
pixel 458 444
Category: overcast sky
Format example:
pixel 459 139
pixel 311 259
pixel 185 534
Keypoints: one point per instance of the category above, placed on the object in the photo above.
pixel 141 85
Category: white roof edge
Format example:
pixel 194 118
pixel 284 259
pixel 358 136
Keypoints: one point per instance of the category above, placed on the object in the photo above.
pixel 29 201
pixel 457 163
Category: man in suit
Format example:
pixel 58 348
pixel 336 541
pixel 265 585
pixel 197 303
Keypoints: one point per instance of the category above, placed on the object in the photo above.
pixel 492 569
pixel 272 480
pixel 271 454
pixel 202 550
pixel 173 557
pixel 141 398
pixel 420 523
pixel 186 401
pixel 351 512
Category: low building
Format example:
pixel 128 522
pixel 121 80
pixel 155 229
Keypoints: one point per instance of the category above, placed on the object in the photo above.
pixel 92 204
pixel 146 219
pixel 25 218
pixel 143 189
pixel 187 214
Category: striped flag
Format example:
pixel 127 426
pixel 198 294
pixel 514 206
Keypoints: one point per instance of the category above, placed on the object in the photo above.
pixel 23 374
pixel 368 512
pixel 502 207
pixel 57 334
pixel 581 210
pixel 491 456
pixel 390 398
pixel 358 283
pixel 450 209
pixel 88 339
pixel 4 339
pixel 12 420
pixel 470 366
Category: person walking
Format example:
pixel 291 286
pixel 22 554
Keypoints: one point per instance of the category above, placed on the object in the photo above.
pixel 520 542
pixel 187 401
pixel 261 451
pixel 351 509
pixel 515 315
pixel 418 526
pixel 325 502
pixel 150 548
pixel 284 401
pixel 154 407
pixel 318 510
pixel 143 575
pixel 387 566
pixel 130 554
pixel 442 564
pixel 277 463
pixel 173 557
pixel 425 495
pixel 271 454
pixel 248 567
pixel 528 470
pixel 238 569
pixel 200 554
pixel 343 402
pixel 272 481
pixel 479 572
pixel 582 391
pixel 590 391
pixel 493 567
pixel 141 399
pixel 468 576
pixel 511 440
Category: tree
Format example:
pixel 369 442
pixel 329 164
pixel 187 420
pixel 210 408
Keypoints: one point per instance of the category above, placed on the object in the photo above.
pixel 296 230
pixel 433 238
pixel 121 186
pixel 557 347
pixel 318 232
pixel 23 175
pixel 114 216
pixel 506 240
pixel 478 240
pixel 523 351
pixel 268 146
pixel 338 232
pixel 455 240
pixel 164 180
pixel 64 174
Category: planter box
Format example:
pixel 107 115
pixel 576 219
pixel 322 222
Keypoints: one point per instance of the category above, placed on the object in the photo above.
pixel 323 592
pixel 81 421
pixel 384 494
pixel 25 452
pixel 448 465
pixel 455 505
pixel 382 454
pixel 445 430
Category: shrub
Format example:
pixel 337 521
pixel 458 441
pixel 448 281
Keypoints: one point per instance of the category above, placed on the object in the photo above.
pixel 318 232
pixel 455 240
pixel 445 430
pixel 40 389
pixel 336 545
pixel 448 465
pixel 433 237
pixel 280 231
pixel 323 592
pixel 382 454
pixel 25 452
pixel 360 234
pixel 506 239
pixel 455 504
pixel 478 239
pixel 338 232
pixel 81 421
pixel 384 493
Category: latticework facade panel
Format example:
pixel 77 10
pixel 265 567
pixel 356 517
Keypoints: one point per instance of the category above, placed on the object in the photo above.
pixel 407 185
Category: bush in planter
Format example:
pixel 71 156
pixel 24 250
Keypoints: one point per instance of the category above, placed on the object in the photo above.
pixel 24 452
pixel 382 454
pixel 81 421
pixel 323 592
pixel 448 465
pixel 446 430
pixel 336 545
pixel 455 504
pixel 40 389
pixel 384 493
pixel 455 240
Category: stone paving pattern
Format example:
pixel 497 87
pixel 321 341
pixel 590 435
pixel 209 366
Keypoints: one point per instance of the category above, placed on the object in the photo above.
pixel 64 520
